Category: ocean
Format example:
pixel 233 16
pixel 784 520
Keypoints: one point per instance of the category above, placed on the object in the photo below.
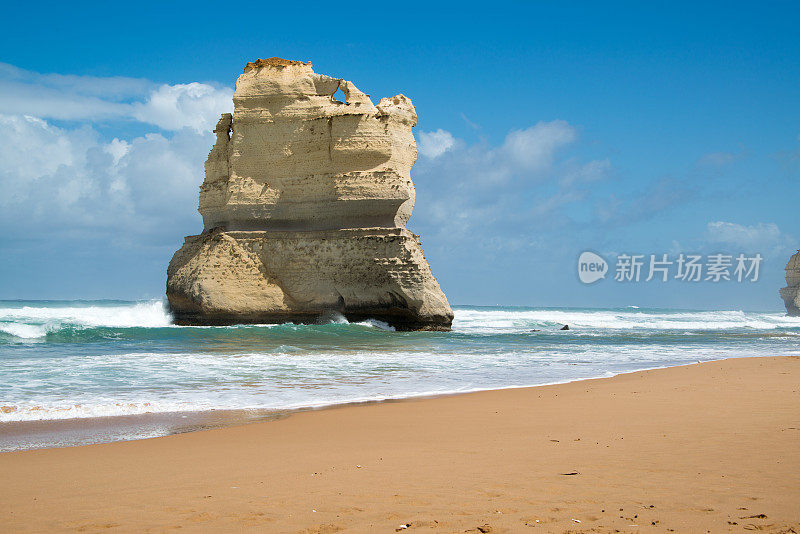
pixel 77 372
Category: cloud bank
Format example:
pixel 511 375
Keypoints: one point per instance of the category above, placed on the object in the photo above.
pixel 766 238
pixel 93 99
pixel 494 196
pixel 60 175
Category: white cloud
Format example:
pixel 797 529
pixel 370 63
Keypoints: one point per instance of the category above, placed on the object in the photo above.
pixel 117 148
pixel 434 144
pixel 50 103
pixel 67 179
pixel 90 98
pixel 480 194
pixel 534 148
pixel 561 198
pixel 592 171
pixel 728 232
pixel 48 149
pixel 57 180
pixel 526 155
pixel 765 238
pixel 658 196
pixel 114 88
pixel 56 96
pixel 192 105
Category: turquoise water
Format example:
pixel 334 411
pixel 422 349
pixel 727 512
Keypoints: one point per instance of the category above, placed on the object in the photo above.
pixel 64 360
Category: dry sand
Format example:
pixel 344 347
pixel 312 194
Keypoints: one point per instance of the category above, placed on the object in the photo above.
pixel 711 447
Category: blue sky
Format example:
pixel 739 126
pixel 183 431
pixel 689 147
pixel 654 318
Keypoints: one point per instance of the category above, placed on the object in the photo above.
pixel 545 129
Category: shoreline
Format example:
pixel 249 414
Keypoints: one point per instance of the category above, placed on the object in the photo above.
pixel 79 431
pixel 687 448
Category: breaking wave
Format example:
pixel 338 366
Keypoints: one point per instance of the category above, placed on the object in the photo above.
pixel 632 319
pixel 88 321
pixel 30 320
pixel 64 360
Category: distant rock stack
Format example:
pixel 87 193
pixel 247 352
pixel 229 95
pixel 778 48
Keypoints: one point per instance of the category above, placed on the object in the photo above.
pixel 305 203
pixel 791 293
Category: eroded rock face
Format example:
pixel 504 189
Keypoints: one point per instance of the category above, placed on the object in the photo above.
pixel 304 204
pixel 791 293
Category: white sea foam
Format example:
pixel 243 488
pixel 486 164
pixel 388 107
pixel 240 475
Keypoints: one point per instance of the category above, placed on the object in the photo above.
pixel 24 331
pixel 99 385
pixel 143 314
pixel 30 322
pixel 338 318
pixel 280 368
pixel 497 320
pixel 374 323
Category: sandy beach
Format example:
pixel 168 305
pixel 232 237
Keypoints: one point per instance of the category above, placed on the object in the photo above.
pixel 708 447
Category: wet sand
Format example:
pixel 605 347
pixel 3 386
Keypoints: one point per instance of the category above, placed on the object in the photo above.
pixel 709 447
pixel 27 435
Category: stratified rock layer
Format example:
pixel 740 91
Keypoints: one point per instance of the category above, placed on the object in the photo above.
pixel 304 204
pixel 791 293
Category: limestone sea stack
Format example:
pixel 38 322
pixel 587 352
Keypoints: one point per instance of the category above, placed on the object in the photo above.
pixel 305 203
pixel 791 293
